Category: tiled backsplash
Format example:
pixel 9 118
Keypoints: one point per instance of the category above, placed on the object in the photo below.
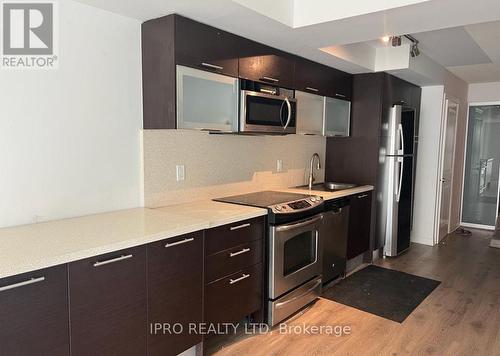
pixel 221 165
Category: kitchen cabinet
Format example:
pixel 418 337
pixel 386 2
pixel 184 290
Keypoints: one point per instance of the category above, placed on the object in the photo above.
pixel 358 240
pixel 266 64
pixel 108 304
pixel 310 113
pixel 341 85
pixel 234 272
pixel 206 101
pixel 313 77
pixel 204 47
pixel 175 291
pixel 34 313
pixel 337 117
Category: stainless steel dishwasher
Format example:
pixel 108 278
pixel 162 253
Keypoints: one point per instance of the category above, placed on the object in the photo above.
pixel 334 234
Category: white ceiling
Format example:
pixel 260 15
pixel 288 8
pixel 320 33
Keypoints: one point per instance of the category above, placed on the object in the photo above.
pixel 417 18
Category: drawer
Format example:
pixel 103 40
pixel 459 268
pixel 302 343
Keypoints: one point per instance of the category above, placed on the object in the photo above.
pixel 232 260
pixel 231 235
pixel 231 298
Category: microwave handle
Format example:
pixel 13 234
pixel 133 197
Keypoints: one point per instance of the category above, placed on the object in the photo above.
pixel 289 113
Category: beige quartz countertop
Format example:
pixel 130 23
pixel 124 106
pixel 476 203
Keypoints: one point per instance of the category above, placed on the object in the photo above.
pixel 31 247
pixel 36 246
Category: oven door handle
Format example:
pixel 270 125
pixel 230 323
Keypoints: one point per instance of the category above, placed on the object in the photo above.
pixel 281 304
pixel 312 221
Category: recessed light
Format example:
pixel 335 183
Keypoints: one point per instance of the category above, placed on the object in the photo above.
pixel 386 39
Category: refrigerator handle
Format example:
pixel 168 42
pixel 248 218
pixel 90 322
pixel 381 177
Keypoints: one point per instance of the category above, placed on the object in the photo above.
pixel 400 183
pixel 401 140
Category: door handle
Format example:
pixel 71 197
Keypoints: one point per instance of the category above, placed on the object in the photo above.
pixel 245 250
pixel 401 167
pixel 112 260
pixel 289 113
pixel 179 242
pixel 22 284
pixel 402 139
pixel 244 276
pixel 211 66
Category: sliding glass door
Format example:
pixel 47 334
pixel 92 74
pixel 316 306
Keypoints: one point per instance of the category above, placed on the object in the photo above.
pixel 482 168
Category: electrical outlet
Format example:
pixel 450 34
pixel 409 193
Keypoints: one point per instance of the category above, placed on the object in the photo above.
pixel 279 165
pixel 180 172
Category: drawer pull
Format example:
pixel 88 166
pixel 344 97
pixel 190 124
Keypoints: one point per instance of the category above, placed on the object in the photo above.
pixel 22 284
pixel 269 79
pixel 245 250
pixel 113 260
pixel 233 281
pixel 362 196
pixel 211 66
pixel 340 95
pixel 172 244
pixel 312 89
pixel 242 226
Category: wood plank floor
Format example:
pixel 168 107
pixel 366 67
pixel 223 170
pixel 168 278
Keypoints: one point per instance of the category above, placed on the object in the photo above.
pixel 461 317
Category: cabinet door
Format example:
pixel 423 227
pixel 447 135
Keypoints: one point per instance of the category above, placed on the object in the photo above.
pixel 337 117
pixel 200 46
pixel 359 224
pixel 312 77
pixel 341 86
pixel 108 304
pixel 34 313
pixel 262 63
pixel 206 101
pixel 175 287
pixel 310 112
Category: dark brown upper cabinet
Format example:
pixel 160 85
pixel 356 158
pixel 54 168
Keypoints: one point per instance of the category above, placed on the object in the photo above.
pixel 108 304
pixel 34 313
pixel 266 64
pixel 313 77
pixel 341 87
pixel 204 47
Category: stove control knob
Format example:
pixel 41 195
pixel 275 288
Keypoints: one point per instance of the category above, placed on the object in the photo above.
pixel 318 198
pixel 279 207
pixel 313 199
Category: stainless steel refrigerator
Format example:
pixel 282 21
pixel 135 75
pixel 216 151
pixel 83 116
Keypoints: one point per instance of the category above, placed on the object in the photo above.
pixel 395 181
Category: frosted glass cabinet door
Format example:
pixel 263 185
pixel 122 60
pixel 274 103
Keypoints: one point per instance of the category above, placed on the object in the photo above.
pixel 310 111
pixel 206 101
pixel 337 117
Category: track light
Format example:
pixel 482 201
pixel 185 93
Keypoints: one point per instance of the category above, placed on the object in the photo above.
pixel 414 51
pixel 396 41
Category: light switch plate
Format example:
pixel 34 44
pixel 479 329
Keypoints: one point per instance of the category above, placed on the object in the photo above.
pixel 180 172
pixel 279 165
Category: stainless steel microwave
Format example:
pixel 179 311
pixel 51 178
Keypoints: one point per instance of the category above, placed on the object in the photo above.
pixel 267 109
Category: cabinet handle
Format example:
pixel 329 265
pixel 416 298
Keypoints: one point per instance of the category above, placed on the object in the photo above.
pixel 233 281
pixel 312 89
pixel 211 66
pixel 245 250
pixel 269 79
pixel 340 95
pixel 172 244
pixel 242 226
pixel 22 284
pixel 362 196
pixel 113 260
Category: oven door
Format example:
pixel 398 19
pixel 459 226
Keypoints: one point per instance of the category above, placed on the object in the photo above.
pixel 268 113
pixel 294 255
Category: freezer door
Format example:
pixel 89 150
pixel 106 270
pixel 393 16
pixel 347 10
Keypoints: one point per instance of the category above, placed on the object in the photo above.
pixel 395 204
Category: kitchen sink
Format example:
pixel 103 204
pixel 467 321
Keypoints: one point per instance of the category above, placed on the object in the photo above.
pixel 330 186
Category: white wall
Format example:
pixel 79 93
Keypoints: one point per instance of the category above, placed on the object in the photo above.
pixel 69 138
pixel 427 165
pixel 484 92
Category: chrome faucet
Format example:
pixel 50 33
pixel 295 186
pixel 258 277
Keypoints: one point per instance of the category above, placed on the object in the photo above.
pixel 318 166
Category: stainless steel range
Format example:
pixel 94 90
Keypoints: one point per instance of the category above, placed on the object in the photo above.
pixel 293 249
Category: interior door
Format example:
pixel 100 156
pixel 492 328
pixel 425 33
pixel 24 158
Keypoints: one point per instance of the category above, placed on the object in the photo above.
pixel 448 140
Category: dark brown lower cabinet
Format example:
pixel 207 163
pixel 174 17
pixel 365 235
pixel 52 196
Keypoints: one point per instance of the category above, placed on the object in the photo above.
pixel 34 313
pixel 175 293
pixel 359 224
pixel 108 304
pixel 231 298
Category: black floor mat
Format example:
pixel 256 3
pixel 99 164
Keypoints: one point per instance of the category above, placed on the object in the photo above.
pixel 384 292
